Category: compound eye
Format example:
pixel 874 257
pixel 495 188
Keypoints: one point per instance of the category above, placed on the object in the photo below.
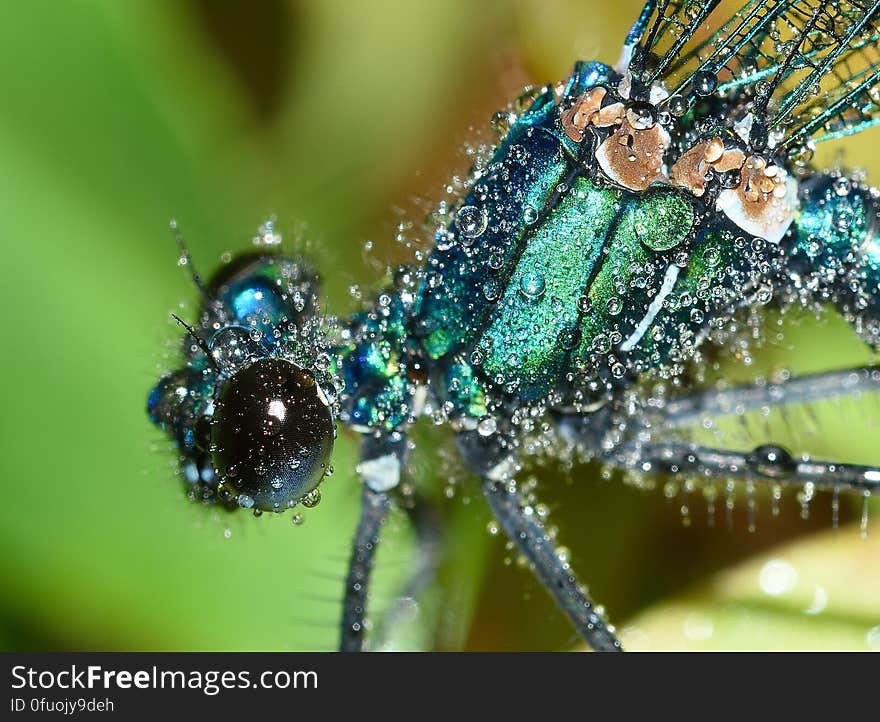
pixel 271 435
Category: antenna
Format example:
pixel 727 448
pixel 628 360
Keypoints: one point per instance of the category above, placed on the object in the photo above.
pixel 186 258
pixel 199 341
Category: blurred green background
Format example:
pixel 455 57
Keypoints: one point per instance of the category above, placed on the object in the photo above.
pixel 340 118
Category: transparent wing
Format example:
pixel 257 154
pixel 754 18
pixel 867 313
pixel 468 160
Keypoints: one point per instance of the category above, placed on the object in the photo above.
pixel 660 35
pixel 808 69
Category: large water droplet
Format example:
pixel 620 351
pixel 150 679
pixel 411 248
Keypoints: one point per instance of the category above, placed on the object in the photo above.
pixel 532 284
pixel 704 82
pixel 641 116
pixel 471 222
pixel 773 461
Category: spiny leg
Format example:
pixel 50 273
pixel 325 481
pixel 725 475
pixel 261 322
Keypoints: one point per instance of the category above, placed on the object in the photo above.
pixel 381 463
pixel 523 527
pixel 374 509
pixel 767 463
pixel 691 409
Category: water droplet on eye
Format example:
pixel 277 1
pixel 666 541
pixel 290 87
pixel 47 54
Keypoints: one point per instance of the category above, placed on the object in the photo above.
pixel 584 304
pixel 532 284
pixel 614 306
pixel 491 290
pixel 276 484
pixel 530 215
pixel 705 82
pixel 471 222
pixel 233 347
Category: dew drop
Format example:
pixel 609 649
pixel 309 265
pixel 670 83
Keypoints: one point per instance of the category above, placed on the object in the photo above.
pixel 705 82
pixel 773 461
pixel 712 256
pixel 615 306
pixel 678 105
pixel 532 284
pixel 641 116
pixel 842 186
pixel 584 304
pixel 487 426
pixel 471 222
pixel 491 290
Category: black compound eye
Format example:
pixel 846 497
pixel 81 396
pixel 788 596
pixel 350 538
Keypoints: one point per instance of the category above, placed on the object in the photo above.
pixel 271 435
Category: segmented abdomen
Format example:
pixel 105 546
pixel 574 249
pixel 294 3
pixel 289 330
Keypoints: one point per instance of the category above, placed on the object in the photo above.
pixel 834 250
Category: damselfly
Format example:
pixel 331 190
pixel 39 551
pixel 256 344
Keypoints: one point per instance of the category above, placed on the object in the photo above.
pixel 627 217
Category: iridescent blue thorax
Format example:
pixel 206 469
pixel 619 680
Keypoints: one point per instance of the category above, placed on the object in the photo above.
pixel 600 240
pixel 379 365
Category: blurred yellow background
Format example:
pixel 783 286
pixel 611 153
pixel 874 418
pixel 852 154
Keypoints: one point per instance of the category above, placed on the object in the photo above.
pixel 340 118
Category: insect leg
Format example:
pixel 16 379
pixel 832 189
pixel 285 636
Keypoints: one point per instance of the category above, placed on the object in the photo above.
pixel 381 462
pixel 374 509
pixel 532 541
pixel 767 463
pixel 523 527
pixel 691 409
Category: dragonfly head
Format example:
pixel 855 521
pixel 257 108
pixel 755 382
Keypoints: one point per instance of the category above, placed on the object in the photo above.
pixel 272 434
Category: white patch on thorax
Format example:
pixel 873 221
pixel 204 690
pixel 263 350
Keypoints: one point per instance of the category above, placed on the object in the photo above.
pixel 669 279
